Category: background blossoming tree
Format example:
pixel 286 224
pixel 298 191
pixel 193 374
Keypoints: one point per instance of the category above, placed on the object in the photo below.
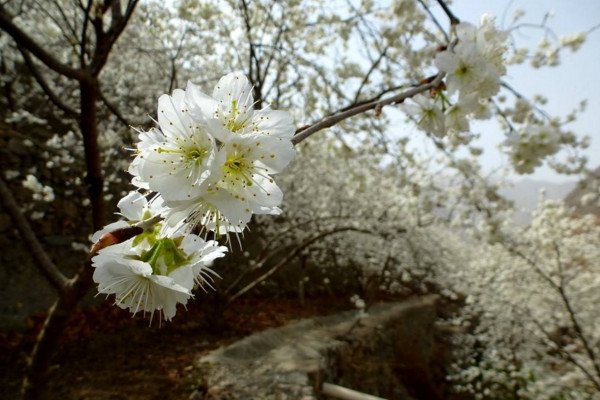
pixel 356 199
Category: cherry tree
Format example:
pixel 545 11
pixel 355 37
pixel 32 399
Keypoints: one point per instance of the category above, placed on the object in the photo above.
pixel 215 153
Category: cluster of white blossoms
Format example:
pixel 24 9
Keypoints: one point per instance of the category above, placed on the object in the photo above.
pixel 476 63
pixel 531 144
pixel 473 69
pixel 213 157
pixel 209 168
pixel 152 272
pixel 40 192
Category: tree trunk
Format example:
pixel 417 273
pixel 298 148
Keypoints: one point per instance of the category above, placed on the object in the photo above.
pixel 58 317
pixel 70 297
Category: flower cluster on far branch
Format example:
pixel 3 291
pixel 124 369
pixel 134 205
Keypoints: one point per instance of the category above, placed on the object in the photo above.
pixel 473 68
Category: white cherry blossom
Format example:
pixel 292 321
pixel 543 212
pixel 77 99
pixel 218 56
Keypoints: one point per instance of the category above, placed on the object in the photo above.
pixel 134 284
pixel 175 160
pixel 427 114
pixel 156 274
pixel 232 107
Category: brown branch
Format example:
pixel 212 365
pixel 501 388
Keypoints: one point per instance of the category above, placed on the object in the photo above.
pixel 369 72
pixel 24 40
pixel 252 58
pixel 275 44
pixel 336 118
pixel 435 20
pixel 43 261
pixel 83 40
pixel 173 79
pixel 106 40
pixel 453 19
pixel 117 15
pixel 374 98
pixel 40 80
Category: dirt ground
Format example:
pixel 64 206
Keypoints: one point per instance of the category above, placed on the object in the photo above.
pixel 107 355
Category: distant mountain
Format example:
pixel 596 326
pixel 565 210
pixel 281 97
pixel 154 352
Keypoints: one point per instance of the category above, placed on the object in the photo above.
pixel 590 186
pixel 526 192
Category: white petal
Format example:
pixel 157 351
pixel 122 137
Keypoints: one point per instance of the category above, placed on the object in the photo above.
pixel 265 193
pixel 275 153
pixel 237 211
pixel 274 123
pixel 234 87
pixel 184 276
pixel 133 206
pixel 167 293
pixel 201 106
pixel 173 119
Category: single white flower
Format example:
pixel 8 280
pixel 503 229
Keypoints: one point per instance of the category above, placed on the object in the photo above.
pixel 232 107
pixel 134 284
pixel 156 277
pixel 427 114
pixel 465 68
pixel 476 63
pixel 244 165
pixel 175 160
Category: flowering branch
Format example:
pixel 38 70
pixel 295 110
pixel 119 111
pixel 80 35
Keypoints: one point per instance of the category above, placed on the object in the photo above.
pixel 336 118
pixel 567 354
pixel 572 315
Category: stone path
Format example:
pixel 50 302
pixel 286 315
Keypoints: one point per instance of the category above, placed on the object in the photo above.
pixel 293 361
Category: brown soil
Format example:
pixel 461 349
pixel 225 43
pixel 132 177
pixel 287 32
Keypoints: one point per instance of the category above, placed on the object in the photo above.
pixel 105 354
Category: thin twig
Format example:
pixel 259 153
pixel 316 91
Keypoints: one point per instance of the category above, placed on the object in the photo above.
pixel 435 20
pixel 369 72
pixel 453 19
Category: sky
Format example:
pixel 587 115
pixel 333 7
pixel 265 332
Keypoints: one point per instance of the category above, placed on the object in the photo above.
pixel 575 79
